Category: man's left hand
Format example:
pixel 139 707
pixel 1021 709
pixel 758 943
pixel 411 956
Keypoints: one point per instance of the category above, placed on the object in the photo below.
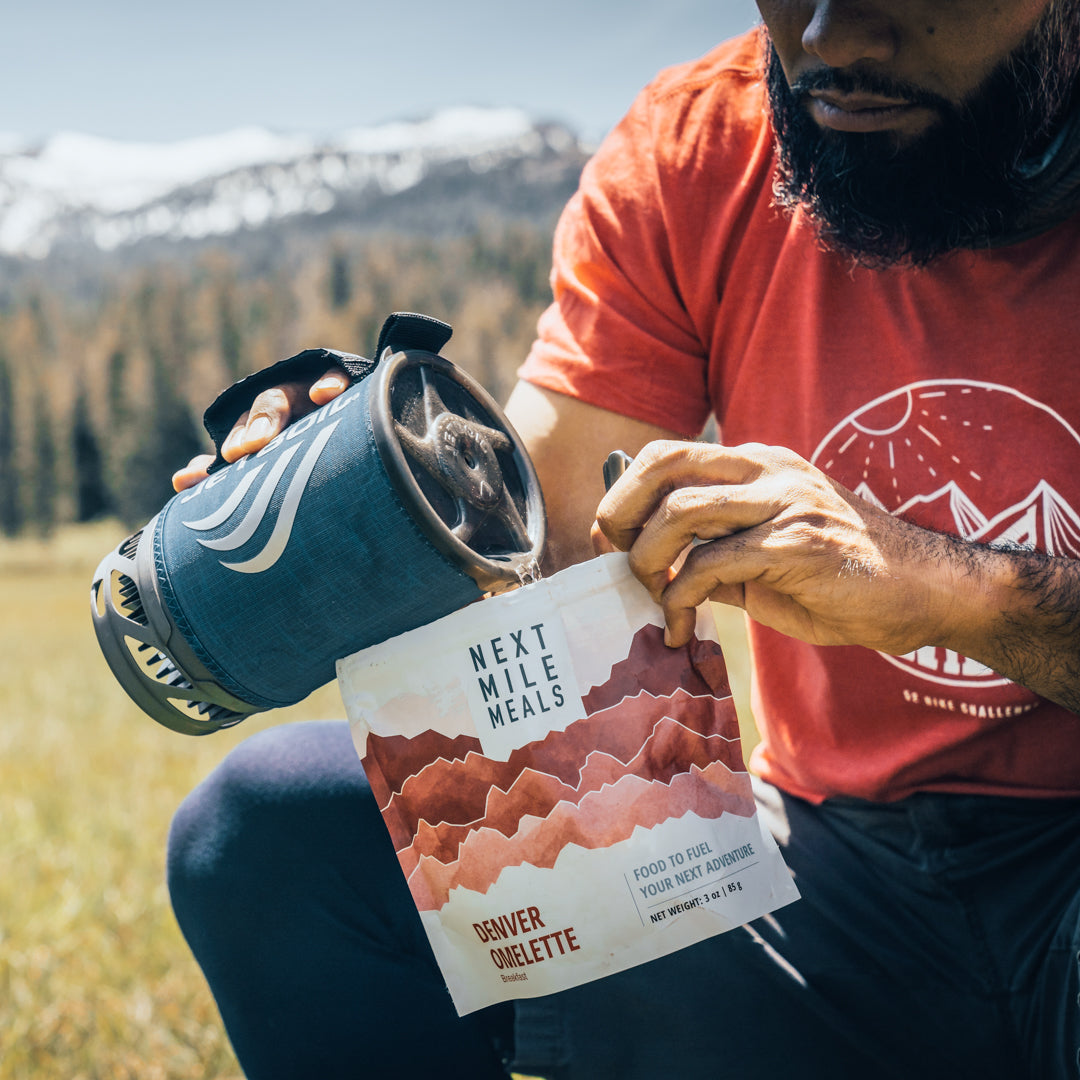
pixel 775 536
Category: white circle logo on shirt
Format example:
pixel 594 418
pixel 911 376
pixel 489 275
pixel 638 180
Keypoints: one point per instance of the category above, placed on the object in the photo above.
pixel 977 460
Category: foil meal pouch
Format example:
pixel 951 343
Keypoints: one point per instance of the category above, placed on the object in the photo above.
pixel 566 794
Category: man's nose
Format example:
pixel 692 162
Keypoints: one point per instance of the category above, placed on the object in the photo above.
pixel 843 32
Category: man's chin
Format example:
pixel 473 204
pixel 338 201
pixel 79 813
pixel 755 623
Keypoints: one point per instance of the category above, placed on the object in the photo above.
pixel 884 215
pixel 878 202
pixel 890 194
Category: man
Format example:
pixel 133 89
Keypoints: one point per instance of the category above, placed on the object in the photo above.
pixel 882 314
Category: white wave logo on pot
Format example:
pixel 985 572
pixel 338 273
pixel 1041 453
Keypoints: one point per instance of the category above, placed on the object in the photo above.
pixel 978 460
pixel 245 529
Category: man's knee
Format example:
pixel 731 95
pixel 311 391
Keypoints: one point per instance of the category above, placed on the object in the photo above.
pixel 277 799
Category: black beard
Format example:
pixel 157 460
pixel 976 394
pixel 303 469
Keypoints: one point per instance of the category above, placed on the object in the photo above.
pixel 964 183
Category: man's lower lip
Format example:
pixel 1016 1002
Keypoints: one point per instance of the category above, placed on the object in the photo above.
pixel 887 118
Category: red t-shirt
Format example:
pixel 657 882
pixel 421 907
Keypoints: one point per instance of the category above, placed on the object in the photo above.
pixel 949 395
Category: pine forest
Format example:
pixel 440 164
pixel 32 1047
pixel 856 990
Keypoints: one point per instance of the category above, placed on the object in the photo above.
pixel 102 389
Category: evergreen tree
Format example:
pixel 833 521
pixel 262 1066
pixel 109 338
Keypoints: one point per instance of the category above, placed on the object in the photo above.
pixel 166 437
pixel 92 498
pixel 116 396
pixel 230 337
pixel 341 287
pixel 45 491
pixel 11 513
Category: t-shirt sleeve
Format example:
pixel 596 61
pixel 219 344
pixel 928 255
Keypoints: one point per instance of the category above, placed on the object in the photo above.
pixel 617 334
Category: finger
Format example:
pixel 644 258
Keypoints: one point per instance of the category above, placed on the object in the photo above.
pixel 192 473
pixel 601 544
pixel 700 578
pixel 737 571
pixel 697 515
pixel 664 467
pixel 271 412
pixel 329 385
pixel 229 448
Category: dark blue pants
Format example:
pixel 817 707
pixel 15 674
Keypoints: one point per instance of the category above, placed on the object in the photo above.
pixel 938 937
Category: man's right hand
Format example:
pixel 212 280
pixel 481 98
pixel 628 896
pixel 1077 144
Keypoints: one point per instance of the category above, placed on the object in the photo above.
pixel 270 414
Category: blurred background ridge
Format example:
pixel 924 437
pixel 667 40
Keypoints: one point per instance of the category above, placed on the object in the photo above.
pixel 80 194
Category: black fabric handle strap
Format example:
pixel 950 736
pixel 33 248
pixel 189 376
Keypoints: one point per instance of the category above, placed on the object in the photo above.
pixel 408 330
pixel 402 330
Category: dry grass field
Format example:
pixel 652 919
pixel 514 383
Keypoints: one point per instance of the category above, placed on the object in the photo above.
pixel 95 979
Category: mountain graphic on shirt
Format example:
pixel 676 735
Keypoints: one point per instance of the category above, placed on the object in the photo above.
pixel 1043 520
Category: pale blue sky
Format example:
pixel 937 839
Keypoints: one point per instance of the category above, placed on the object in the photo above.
pixel 147 71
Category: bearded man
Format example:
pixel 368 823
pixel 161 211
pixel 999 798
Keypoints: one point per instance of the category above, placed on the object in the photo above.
pixel 850 236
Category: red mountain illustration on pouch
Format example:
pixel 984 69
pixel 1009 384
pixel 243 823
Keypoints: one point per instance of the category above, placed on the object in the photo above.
pixel 625 734
pixel 657 751
pixel 660 737
pixel 601 819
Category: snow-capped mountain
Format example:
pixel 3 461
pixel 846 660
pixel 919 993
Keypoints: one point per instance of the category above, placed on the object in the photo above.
pixel 79 193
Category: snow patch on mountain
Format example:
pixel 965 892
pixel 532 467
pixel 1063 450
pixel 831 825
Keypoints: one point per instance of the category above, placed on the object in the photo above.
pixel 83 189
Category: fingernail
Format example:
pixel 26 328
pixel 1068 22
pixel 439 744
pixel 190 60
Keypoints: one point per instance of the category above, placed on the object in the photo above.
pixel 259 428
pixel 233 438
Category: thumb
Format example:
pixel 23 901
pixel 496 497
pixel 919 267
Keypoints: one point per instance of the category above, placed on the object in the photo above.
pixel 601 544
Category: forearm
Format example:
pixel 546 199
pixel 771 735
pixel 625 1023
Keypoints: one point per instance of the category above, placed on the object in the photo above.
pixel 568 441
pixel 1017 612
